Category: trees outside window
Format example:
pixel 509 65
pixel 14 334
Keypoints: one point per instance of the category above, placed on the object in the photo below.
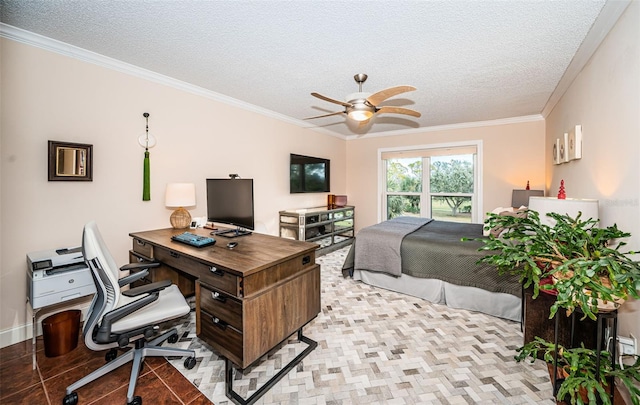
pixel 446 191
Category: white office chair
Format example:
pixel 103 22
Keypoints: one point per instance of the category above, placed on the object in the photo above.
pixel 116 318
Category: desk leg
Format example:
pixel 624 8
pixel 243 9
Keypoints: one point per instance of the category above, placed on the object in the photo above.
pixel 228 372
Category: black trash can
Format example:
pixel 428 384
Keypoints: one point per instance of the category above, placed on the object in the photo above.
pixel 60 332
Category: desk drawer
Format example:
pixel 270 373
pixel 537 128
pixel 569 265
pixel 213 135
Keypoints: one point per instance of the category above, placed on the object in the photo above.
pixel 222 306
pixel 142 247
pixel 221 336
pixel 221 279
pixel 218 278
pixel 185 283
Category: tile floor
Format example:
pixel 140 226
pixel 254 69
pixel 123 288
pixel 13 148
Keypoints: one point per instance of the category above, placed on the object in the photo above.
pixel 379 347
pixel 160 382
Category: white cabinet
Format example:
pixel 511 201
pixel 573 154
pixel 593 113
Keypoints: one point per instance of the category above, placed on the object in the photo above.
pixel 330 227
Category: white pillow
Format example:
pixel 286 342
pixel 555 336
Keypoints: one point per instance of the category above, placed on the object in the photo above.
pixel 499 210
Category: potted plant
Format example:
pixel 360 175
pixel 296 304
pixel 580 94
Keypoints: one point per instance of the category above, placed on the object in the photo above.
pixel 581 380
pixel 586 269
pixel 582 263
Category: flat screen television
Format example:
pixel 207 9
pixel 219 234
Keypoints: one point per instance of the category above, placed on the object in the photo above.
pixel 230 201
pixel 309 174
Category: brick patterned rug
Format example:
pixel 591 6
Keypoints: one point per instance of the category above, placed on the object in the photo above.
pixel 380 347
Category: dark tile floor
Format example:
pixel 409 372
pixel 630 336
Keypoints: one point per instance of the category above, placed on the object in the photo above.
pixel 159 382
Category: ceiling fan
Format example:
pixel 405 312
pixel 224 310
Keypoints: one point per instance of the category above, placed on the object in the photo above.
pixel 361 107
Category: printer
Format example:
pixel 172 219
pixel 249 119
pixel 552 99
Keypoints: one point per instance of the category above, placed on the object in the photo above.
pixel 56 276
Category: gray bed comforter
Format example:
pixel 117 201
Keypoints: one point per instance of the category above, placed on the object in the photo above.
pixel 435 250
pixel 380 244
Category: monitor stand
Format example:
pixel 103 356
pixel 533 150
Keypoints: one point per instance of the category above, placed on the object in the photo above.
pixel 234 233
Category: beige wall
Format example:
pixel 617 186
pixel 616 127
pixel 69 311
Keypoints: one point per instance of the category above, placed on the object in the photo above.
pixel 47 96
pixel 512 154
pixel 605 100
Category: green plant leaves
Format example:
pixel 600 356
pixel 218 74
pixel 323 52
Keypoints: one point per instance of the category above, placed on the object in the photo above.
pixel 576 253
pixel 583 377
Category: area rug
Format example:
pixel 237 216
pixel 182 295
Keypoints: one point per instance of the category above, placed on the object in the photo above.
pixel 381 347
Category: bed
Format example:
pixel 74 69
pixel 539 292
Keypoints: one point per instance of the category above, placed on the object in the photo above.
pixel 426 258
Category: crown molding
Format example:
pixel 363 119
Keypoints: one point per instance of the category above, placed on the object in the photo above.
pixel 62 48
pixel 609 15
pixel 449 127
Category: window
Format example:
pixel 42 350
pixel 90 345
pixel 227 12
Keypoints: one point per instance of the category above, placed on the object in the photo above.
pixel 432 182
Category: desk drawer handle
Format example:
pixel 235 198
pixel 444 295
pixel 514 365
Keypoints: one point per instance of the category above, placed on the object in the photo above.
pixel 216 296
pixel 174 255
pixel 139 242
pixel 140 260
pixel 216 271
pixel 221 324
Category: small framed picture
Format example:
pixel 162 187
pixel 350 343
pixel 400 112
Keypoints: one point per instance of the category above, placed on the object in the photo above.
pixel 564 148
pixel 555 152
pixel 574 143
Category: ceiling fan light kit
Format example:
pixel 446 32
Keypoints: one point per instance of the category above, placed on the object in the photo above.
pixel 361 107
pixel 361 111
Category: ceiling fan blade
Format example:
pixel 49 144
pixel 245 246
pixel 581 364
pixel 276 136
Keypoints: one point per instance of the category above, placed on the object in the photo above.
pixel 377 98
pixel 321 97
pixel 325 115
pixel 398 110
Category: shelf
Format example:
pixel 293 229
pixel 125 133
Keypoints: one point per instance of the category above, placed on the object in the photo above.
pixel 329 227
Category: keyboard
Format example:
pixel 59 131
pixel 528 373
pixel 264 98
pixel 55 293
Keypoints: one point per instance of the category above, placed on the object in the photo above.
pixel 193 240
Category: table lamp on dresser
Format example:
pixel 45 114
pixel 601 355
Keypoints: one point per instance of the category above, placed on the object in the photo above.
pixel 179 196
pixel 520 198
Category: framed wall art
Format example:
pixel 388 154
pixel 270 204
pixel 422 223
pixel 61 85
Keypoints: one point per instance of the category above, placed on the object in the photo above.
pixel 555 152
pixel 70 161
pixel 564 149
pixel 574 143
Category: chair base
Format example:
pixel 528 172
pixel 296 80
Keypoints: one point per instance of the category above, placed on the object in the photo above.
pixel 136 355
pixel 228 368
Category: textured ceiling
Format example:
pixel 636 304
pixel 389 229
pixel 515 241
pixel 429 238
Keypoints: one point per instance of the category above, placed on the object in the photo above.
pixel 470 60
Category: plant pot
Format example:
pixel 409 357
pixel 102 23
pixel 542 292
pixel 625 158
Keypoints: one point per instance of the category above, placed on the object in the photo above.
pixel 562 375
pixel 603 306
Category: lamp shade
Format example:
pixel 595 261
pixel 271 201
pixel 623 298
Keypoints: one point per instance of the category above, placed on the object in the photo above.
pixel 180 195
pixel 568 206
pixel 521 197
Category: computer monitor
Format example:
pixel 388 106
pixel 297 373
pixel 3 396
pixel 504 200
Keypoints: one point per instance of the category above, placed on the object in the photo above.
pixel 230 201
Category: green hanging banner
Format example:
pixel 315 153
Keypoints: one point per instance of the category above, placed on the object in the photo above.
pixel 146 141
pixel 146 183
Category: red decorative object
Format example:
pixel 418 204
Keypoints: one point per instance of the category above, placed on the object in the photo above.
pixel 528 188
pixel 561 193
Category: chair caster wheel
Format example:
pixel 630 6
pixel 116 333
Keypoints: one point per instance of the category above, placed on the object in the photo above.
pixel 111 355
pixel 173 338
pixel 135 401
pixel 189 363
pixel 70 399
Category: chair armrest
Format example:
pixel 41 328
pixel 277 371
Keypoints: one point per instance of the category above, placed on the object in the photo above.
pixel 132 277
pixel 134 266
pixel 152 292
pixel 135 276
pixel 147 288
pixel 104 331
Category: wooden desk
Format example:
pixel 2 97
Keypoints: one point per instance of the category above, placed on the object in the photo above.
pixel 249 299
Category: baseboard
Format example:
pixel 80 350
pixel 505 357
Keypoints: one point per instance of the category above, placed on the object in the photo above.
pixel 24 332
